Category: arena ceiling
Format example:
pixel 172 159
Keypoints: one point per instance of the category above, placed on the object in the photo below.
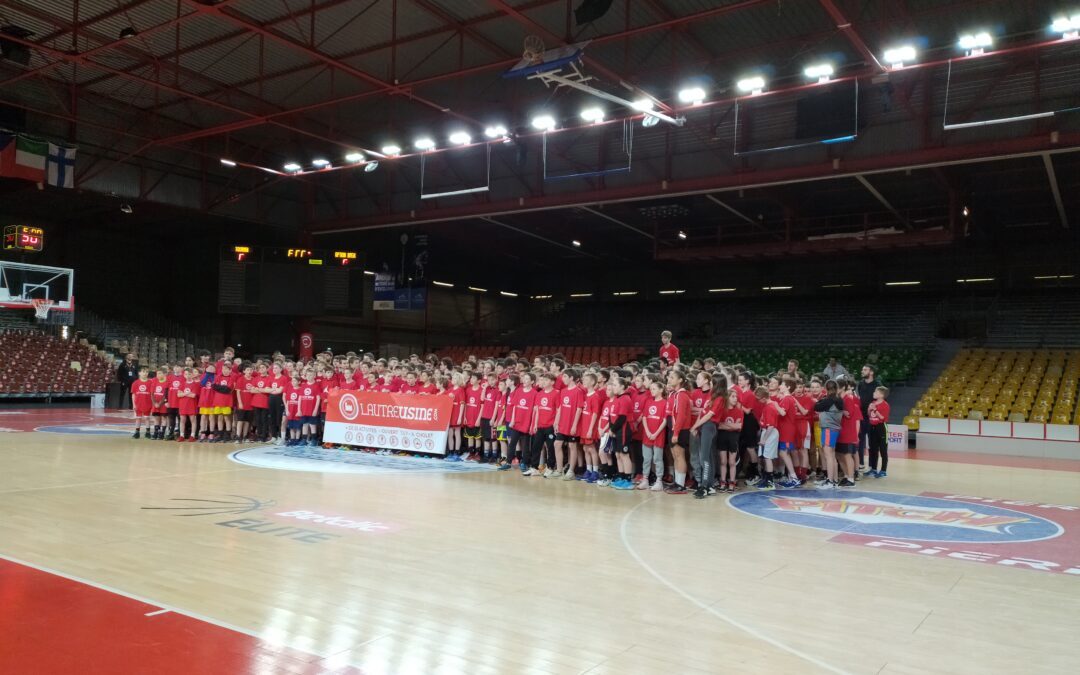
pixel 156 92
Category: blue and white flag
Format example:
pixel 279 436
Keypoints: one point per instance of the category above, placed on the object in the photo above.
pixel 60 166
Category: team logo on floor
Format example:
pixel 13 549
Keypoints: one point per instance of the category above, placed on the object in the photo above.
pixel 279 522
pixel 1004 532
pixel 347 461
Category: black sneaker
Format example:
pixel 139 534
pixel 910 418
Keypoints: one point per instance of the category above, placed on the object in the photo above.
pixel 136 434
pixel 846 482
pixel 700 493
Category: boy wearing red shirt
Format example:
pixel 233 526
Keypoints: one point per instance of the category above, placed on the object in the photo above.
pixel 789 410
pixel 802 430
pixel 768 446
pixel 847 445
pixel 175 380
pixel 159 399
pixel 877 437
pixel 567 418
pixel 294 422
pixel 224 394
pixel 669 353
pixel 244 416
pixel 489 395
pixel 519 406
pixel 309 394
pixel 543 427
pixel 474 401
pixel 140 401
pixel 681 421
pixel 592 406
pixel 260 402
pixel 619 435
pixel 187 398
pixel 206 403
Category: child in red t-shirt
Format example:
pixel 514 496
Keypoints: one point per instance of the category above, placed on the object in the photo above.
pixel 847 445
pixel 187 400
pixel 293 422
pixel 653 424
pixel 175 380
pixel 310 392
pixel 681 421
pixel 877 437
pixel 474 401
pixel 159 399
pixel 571 398
pixel 140 401
pixel 728 415
pixel 244 414
pixel 592 406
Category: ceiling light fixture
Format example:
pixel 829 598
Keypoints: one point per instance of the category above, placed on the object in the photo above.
pixel 423 144
pixel 821 72
pixel 776 288
pixel 976 44
pixel 543 122
pixel 508 294
pixel 594 115
pixel 354 157
pixel 752 85
pixel 320 163
pixel 460 138
pixel 692 95
pixel 721 290
pixel 682 235
pixel 391 150
pixel 227 162
pixel 1069 27
pixel 581 295
pixel 902 283
pixel 292 167
pixel 898 56
pixel 443 284
pixel 478 290
pixel 576 243
pixel 495 131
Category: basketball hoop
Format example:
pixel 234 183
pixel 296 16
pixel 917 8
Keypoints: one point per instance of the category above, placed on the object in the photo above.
pixel 41 307
pixel 533 49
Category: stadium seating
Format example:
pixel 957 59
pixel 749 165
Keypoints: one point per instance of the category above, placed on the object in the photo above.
pixel 123 337
pixel 1017 385
pixel 33 363
pixel 894 364
pixel 1033 321
pixel 606 355
pixel 460 353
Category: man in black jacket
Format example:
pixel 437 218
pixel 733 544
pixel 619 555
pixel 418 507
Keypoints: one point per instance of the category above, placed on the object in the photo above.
pixel 126 373
pixel 865 389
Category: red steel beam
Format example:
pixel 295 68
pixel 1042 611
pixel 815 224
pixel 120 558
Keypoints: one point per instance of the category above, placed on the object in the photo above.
pixel 922 158
pixel 851 34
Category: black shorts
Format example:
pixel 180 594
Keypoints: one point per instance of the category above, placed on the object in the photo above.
pixel 485 430
pixel 472 433
pixel 683 439
pixel 847 448
pixel 727 441
pixel 748 437
pixel 243 415
pixel 566 438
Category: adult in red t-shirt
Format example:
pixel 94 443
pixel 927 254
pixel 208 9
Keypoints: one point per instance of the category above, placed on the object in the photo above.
pixel 669 353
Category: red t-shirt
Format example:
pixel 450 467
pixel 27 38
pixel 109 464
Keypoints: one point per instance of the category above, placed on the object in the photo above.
pixel 292 402
pixel 769 416
pixel 723 414
pixel 546 402
pixel 571 401
pixel 681 417
pixel 669 352
pixel 309 398
pixel 159 394
pixel 242 394
pixel 140 395
pixel 206 392
pixel 638 400
pixel 878 412
pixel 521 407
pixel 488 398
pixel 652 416
pixel 590 415
pixel 623 407
pixel 188 405
pixel 699 398
pixel 474 400
pixel 224 400
pixel 807 402
pixel 174 386
pixel 605 416
pixel 787 423
pixel 407 388
pixel 849 425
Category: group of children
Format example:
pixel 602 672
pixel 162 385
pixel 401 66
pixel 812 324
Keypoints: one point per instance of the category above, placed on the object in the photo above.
pixel 663 426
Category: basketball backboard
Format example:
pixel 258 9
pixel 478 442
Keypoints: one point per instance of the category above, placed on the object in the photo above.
pixel 23 285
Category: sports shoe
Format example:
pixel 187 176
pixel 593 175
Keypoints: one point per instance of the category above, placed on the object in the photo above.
pixel 658 486
pixel 569 475
pixel 789 483
pixel 637 479
pixel 675 489
pixel 871 474
pixel 845 483
pixel 858 476
pixel 700 493
pixel 733 486
pixel 591 477
pixel 515 462
pixel 826 485
pixel 503 467
pixel 881 474
pixel 764 484
pixel 547 473
pixel 709 492
pixel 623 484
pixel 642 484
pixel 603 482
pixel 530 472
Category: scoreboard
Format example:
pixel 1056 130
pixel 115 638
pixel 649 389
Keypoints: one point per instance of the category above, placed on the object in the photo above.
pixel 289 281
pixel 24 238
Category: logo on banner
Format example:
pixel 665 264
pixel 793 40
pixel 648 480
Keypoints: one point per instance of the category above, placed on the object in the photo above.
pixel 305 341
pixel 350 407
pixel 1003 532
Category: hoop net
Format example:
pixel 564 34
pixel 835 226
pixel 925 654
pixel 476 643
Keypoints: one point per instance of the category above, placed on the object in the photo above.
pixel 41 307
pixel 533 49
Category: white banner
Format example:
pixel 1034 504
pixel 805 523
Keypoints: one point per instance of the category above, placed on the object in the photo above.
pixel 898 437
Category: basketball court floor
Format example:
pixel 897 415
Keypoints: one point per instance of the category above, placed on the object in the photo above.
pixel 124 556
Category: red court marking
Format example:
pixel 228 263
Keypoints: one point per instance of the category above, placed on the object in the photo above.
pixel 52 625
pixel 1045 463
pixel 30 418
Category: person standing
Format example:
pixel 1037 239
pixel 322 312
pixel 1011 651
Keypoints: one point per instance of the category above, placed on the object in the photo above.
pixel 669 353
pixel 865 390
pixel 834 371
pixel 126 373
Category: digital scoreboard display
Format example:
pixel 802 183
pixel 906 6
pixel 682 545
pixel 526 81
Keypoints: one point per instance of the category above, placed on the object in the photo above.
pixel 24 238
pixel 289 281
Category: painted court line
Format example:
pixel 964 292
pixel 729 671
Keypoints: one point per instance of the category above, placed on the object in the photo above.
pixel 160 611
pixel 169 608
pixel 749 630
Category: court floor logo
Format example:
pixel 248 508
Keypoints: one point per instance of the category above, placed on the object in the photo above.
pixel 346 461
pixel 113 429
pixel 978 529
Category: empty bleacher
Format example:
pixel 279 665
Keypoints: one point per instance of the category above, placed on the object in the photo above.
pixel 1017 385
pixel 35 364
pixel 1035 321
pixel 119 337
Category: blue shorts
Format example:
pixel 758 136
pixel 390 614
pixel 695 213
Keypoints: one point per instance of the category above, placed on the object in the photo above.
pixel 786 447
pixel 827 437
pixel 295 424
pixel 313 420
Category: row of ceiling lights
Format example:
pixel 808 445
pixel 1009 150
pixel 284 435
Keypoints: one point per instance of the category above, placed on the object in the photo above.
pixel 623 294
pixel 897 57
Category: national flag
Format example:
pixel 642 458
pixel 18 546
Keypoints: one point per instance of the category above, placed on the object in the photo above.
pixel 27 161
pixel 60 166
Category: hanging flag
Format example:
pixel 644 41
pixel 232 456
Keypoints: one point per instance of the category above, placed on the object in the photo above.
pixel 28 162
pixel 60 166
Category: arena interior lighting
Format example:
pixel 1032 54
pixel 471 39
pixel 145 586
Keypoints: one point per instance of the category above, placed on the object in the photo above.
pixel 821 72
pixel 391 150
pixel 424 143
pixel 674 292
pixel 292 167
pixel 902 283
pixel 776 288
pixel 721 290
pixel 975 44
pixel 320 163
pixel 838 285
pixel 692 95
pixel 227 162
pixel 443 284
pixel 642 105
pixel 541 297
pixel 594 115
pixel 1067 26
pixel 496 131
pixel 543 122
pixel 623 294
pixel 979 280
pixel 751 85
pixel 581 295
pixel 478 290
pixel 576 243
pixel 460 138
pixel 354 157
pixel 508 294
pixel 369 273
pixel 1054 276
pixel 682 235
pixel 898 56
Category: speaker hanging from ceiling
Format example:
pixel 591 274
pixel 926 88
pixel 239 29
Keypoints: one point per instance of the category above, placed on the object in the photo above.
pixel 591 10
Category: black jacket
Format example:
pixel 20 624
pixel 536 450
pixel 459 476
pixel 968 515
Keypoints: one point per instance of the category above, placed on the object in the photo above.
pixel 126 374
pixel 865 390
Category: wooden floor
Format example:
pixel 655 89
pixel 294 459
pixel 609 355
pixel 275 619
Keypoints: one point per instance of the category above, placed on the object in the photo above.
pixel 485 572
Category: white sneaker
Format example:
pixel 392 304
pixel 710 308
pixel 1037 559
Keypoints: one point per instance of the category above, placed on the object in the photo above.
pixel 569 475
pixel 643 484
pixel 603 482
pixel 531 472
pixel 548 473
pixel 658 486
pixel 280 441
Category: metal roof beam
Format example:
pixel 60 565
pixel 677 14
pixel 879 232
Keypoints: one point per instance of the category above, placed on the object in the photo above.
pixel 884 202
pixel 612 219
pixel 1055 188
pixel 851 34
